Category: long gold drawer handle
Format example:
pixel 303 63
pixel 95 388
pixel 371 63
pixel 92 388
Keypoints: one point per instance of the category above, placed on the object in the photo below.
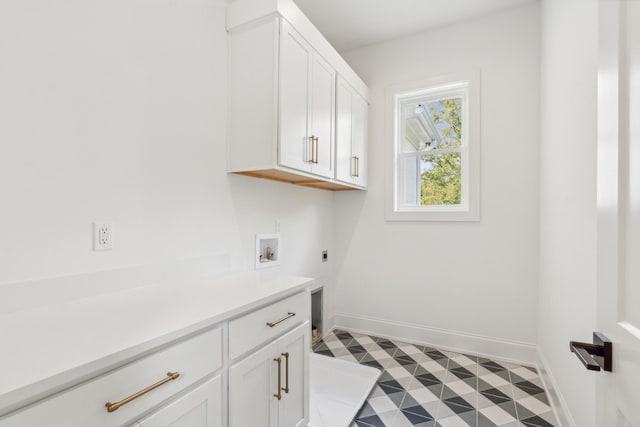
pixel 114 406
pixel 286 372
pixel 279 394
pixel 272 324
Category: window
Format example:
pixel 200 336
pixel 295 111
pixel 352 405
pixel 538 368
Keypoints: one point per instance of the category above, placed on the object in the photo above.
pixel 433 171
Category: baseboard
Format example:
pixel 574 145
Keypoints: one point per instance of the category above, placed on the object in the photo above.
pixel 494 348
pixel 556 399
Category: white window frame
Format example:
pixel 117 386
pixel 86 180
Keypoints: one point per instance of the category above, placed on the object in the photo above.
pixel 464 84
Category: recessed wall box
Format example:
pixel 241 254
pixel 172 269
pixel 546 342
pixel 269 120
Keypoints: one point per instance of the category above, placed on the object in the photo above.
pixel 267 250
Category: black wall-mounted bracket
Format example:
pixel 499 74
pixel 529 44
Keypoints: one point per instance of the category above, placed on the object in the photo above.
pixel 596 356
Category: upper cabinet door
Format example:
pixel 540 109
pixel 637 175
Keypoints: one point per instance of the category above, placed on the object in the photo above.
pixel 323 78
pixel 295 148
pixel 359 138
pixel 351 144
pixel 345 164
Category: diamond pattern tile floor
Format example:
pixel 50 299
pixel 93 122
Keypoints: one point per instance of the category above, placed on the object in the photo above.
pixel 427 387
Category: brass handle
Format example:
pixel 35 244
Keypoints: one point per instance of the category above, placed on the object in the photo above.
pixel 315 158
pixel 279 394
pixel 114 406
pixel 310 155
pixel 286 372
pixel 272 324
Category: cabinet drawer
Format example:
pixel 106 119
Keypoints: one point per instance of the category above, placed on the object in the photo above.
pixel 263 325
pixel 84 405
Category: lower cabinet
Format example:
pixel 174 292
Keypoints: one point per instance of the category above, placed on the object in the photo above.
pixel 200 407
pixel 265 368
pixel 270 387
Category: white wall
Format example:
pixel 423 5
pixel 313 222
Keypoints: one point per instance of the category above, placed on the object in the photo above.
pixel 116 110
pixel 474 279
pixel 568 196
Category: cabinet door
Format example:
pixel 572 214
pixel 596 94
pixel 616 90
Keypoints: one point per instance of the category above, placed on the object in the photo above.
pixel 345 163
pixel 359 137
pixel 294 350
pixel 294 148
pixel 252 385
pixel 323 78
pixel 200 407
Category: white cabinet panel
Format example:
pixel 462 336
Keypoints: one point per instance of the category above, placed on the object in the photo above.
pixel 294 350
pixel 322 116
pixel 295 66
pixel 351 136
pixel 359 138
pixel 249 331
pixel 252 385
pixel 345 165
pixel 200 407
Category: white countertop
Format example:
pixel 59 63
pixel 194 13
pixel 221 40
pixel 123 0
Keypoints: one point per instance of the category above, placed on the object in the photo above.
pixel 46 349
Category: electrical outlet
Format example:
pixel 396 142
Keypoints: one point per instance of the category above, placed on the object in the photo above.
pixel 325 256
pixel 102 236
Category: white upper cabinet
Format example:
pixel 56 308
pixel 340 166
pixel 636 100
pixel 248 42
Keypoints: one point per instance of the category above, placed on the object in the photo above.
pixel 282 97
pixel 306 106
pixel 351 136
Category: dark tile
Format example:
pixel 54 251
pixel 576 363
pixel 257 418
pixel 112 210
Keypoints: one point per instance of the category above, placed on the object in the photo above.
pixel 385 343
pixel 418 410
pixel 372 421
pixel 535 421
pixel 462 373
pixel 435 354
pixel 369 360
pixel 415 419
pixel 391 386
pixel 495 395
pixel 404 360
pixel 492 366
pixel 458 405
pixel 356 349
pixel 529 387
pixel 428 380
pixel 344 335
pixel 542 397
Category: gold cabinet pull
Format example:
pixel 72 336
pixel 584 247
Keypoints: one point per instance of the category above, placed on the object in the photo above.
pixel 311 151
pixel 315 157
pixel 286 372
pixel 114 406
pixel 278 395
pixel 272 324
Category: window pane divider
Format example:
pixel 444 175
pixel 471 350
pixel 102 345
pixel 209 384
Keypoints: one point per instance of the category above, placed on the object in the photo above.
pixel 433 152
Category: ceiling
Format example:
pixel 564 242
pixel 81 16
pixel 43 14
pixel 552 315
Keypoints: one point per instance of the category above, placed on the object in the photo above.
pixel 349 24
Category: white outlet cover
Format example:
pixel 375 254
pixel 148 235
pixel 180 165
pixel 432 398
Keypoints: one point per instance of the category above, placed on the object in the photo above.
pixel 103 236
